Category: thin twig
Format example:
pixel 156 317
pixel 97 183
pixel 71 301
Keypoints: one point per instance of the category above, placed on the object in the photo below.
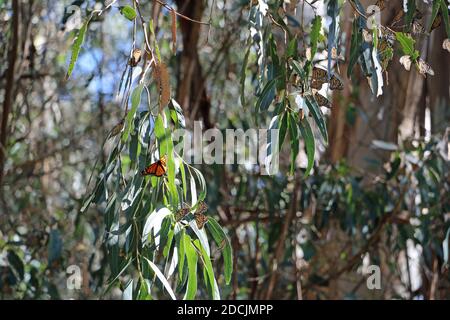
pixel 181 15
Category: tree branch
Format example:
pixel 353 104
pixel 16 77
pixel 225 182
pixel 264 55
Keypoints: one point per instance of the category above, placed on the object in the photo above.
pixel 9 88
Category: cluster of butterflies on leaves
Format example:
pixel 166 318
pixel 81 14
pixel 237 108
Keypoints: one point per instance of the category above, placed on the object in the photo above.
pixel 199 214
pixel 158 169
pixel 385 46
pixel 417 26
pixel 318 78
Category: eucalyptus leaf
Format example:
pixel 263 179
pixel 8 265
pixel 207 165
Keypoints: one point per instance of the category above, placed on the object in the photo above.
pixel 161 278
pixel 128 12
pixel 76 47
pixel 310 147
pixel 223 242
pixel 192 258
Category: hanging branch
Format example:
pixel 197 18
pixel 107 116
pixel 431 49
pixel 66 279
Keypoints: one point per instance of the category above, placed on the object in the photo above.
pixel 165 5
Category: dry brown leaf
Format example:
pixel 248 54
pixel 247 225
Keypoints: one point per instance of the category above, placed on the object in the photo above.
pixel 162 79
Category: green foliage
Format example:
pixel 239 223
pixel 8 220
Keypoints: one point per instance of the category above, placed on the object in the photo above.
pixel 143 235
pixel 445 16
pixel 308 136
pixel 128 12
pixel 407 45
pixel 125 229
pixel 76 47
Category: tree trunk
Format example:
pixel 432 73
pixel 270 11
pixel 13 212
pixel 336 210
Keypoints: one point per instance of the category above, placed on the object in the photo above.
pixel 399 113
pixel 191 90
pixel 9 87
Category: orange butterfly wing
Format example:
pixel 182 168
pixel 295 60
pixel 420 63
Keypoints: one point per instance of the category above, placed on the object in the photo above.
pixel 160 170
pixel 157 169
pixel 150 170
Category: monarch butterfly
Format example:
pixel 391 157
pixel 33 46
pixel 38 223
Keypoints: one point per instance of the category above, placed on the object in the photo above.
pixel 321 100
pixel 156 169
pixel 180 214
pixel 319 74
pixel 316 84
pixel 380 4
pixel 135 57
pixel 319 77
pixel 437 21
pixel 425 68
pixel 202 207
pixel 199 216
pixel 335 83
pixel 200 219
pixel 417 27
pixel 398 16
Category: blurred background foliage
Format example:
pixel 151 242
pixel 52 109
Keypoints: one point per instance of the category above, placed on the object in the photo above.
pixel 377 194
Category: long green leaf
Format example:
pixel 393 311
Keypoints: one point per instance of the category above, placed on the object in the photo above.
pixel 243 76
pixel 222 241
pixel 355 46
pixel 135 102
pixel 267 96
pixel 128 12
pixel 434 13
pixel 161 278
pixel 191 256
pixel 293 131
pixel 283 130
pixel 315 33
pixel 181 253
pixel 211 281
pixel 333 12
pixel 445 17
pixel 77 47
pixel 308 137
pixel 318 116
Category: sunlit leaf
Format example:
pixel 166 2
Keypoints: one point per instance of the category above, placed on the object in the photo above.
pixel 128 12
pixel 407 44
pixel 135 102
pixel 161 278
pixel 222 241
pixel 308 137
pixel 209 271
pixel 191 256
pixel 318 116
pixel 76 47
pixel 315 33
